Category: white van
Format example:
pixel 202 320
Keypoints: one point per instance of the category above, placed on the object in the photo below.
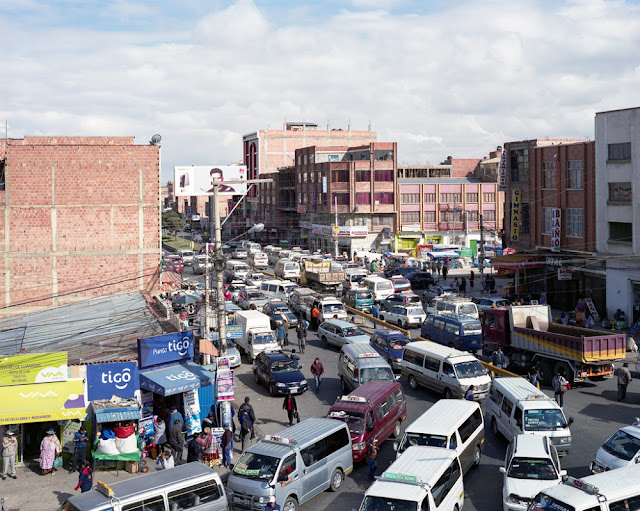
pixel 445 370
pixel 620 450
pixel 253 247
pixel 354 279
pixel 515 406
pixel 277 289
pixel 187 256
pixel 614 490
pixel 235 270
pixel 455 424
pixel 423 478
pixel 457 305
pixel 381 288
pixel 274 255
pixel 286 269
pixel 258 259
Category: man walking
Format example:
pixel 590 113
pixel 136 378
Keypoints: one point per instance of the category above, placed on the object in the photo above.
pixel 9 451
pixel 317 370
pixel 281 334
pixel 445 271
pixel 176 440
pixel 227 447
pixel 80 439
pixel 291 407
pixel 560 386
pixel 498 359
pixel 301 331
pixel 372 455
pixel 624 377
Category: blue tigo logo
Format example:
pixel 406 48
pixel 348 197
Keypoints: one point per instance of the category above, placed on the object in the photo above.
pixel 112 379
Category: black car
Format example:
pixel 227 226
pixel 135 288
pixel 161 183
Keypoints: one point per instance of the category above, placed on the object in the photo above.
pixel 420 280
pixel 399 270
pixel 279 373
pixel 277 310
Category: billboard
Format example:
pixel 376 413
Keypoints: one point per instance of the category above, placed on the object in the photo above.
pixel 33 368
pixel 556 224
pixel 112 379
pixel 192 180
pixel 164 349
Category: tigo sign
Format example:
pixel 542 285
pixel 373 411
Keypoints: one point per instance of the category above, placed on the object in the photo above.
pixel 556 225
pixel 113 379
pixel 164 349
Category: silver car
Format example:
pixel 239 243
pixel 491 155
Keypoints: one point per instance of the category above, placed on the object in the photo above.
pixel 248 297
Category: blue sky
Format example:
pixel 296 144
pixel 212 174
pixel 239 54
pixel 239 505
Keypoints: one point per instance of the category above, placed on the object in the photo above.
pixel 440 78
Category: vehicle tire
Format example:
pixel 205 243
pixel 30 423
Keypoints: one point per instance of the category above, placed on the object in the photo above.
pixel 396 430
pixel 336 480
pixel 291 504
pixel 447 394
pixel 494 427
pixel 255 375
pixel 413 383
pixel 272 390
pixel 325 343
pixel 476 457
pixel 380 317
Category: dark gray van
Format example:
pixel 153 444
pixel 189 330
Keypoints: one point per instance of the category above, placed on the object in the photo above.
pixel 359 363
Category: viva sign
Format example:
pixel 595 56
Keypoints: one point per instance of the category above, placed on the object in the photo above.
pixel 164 349
pixel 113 379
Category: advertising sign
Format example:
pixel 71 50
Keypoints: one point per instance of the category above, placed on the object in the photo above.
pixel 564 274
pixel 146 422
pixel 324 184
pixel 191 411
pixel 112 379
pixel 502 171
pixel 69 430
pixel 592 309
pixel 35 368
pixel 39 402
pixel 225 385
pixel 234 331
pixel 163 349
pixel 515 214
pixel 556 225
pixel 191 181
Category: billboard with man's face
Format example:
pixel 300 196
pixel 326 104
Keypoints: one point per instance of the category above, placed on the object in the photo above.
pixel 198 180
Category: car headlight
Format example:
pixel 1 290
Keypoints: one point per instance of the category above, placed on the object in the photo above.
pixel 263 500
pixel 358 447
pixel 280 385
pixel 514 499
pixel 565 440
pixel 303 382
pixel 398 360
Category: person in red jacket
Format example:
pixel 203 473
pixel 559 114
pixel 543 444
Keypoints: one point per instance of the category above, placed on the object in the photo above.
pixel 317 370
pixel 85 480
pixel 291 407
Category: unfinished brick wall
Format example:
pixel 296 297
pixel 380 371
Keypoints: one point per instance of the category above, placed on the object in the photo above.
pixel 78 219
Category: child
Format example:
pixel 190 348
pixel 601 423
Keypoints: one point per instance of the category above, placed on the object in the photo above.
pixel 85 480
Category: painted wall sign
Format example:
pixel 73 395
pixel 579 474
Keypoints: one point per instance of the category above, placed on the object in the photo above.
pixel 503 171
pixel 163 349
pixel 112 379
pixel 33 368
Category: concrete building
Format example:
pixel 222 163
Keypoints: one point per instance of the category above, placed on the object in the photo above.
pixel 79 218
pixel 617 156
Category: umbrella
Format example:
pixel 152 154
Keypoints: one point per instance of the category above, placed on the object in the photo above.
pixel 184 300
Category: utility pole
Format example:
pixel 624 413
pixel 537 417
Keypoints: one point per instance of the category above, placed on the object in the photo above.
pixel 336 224
pixel 481 255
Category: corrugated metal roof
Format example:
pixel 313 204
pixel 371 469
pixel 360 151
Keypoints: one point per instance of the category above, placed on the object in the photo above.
pixel 104 329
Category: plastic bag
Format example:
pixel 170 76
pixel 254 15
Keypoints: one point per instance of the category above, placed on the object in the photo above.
pixel 129 444
pixel 124 431
pixel 108 446
pixel 57 462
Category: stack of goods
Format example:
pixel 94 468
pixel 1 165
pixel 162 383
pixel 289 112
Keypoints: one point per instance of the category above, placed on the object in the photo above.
pixel 119 440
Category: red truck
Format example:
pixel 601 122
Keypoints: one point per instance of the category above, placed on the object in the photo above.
pixel 530 339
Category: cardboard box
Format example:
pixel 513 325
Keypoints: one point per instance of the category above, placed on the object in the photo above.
pixel 131 467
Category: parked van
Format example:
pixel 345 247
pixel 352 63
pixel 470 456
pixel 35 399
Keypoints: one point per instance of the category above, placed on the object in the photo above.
pixel 235 270
pixel 277 289
pixel 253 247
pixel 381 288
pixel 422 479
pixel 455 424
pixel 446 371
pixel 274 255
pixel 515 406
pixel 453 331
pixel 353 279
pixel 360 299
pixel 294 466
pixel 258 259
pixel 457 305
pixel 359 363
pixel 610 491
pixel 286 269
pixel 373 410
pixel 192 485
pixel 620 450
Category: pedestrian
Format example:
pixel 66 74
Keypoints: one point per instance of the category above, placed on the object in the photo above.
pixel 175 416
pixel 463 285
pixel 374 267
pixel 209 446
pixel 281 334
pixel 315 313
pixel 624 377
pixel 291 407
pixel 166 460
pixel 468 395
pixel 560 386
pixel 208 421
pixel 295 357
pixel 472 278
pixel 375 311
pixel 533 379
pixel 564 319
pixel 301 331
pixel 80 439
pixel 194 449
pixel 439 266
pixel 9 451
pixel 176 440
pixel 492 283
pixel 85 480
pixel 160 434
pixel 498 359
pixel 227 447
pixel 246 411
pixel 246 432
pixel 50 448
pixel 317 370
pixel 445 271
pixel 372 455
pixel 271 505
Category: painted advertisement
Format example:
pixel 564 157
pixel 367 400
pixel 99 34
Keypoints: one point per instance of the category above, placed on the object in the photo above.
pixel 163 349
pixel 225 385
pixel 190 181
pixel 146 422
pixel 502 171
pixel 515 214
pixel 112 379
pixel 33 368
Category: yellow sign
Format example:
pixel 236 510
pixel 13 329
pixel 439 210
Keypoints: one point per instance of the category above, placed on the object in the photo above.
pixel 336 230
pixel 516 214
pixel 33 368
pixel 40 402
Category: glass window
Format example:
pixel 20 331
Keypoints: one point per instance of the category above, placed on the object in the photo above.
pixel 341 198
pixel 470 426
pixel 363 198
pixel 383 220
pixel 450 197
pixel 575 222
pixel 413 358
pixel 547 221
pixel 472 197
pixel 495 395
pixel 473 216
pixel 333 157
pixel 489 197
pixel 150 504
pixel 341 176
pixel 519 165
pixel 288 466
pixel 447 368
pixel 540 469
pixel 430 198
pixel 256 466
pixel 336 441
pixel 383 155
pixel 410 217
pixel 620 232
pixel 196 495
pixel 432 364
pixel 507 406
pixel 549 174
pixel 391 401
pixel 430 217
pixel 629 504
pixel 574 174
pixel 489 215
pixel 313 453
pixel 384 197
pixel 399 395
pixel 363 176
pixel 619 192
pixel 383 175
pixel 622 445
pixel 619 152
pixel 410 198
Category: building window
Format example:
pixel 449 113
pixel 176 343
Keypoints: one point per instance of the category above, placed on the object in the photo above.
pixel 451 216
pixel 575 222
pixel 430 198
pixel 341 176
pixel 549 174
pixel 384 175
pixel 410 198
pixel 410 217
pixel 546 221
pixel 333 157
pixel 472 216
pixel 343 199
pixel 489 215
pixel 383 155
pixel 472 197
pixel 619 152
pixel 384 198
pixel 363 176
pixel 520 165
pixel 429 217
pixel 619 192
pixel 363 198
pixel 447 198
pixel 574 174
pixel 620 232
pixel 489 197
pixel 383 220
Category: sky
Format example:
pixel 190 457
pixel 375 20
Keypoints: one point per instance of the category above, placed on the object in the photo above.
pixel 440 78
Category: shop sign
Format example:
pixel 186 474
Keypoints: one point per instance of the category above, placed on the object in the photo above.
pixel 163 349
pixel 112 379
pixel 556 225
pixel 503 171
pixel 33 368
pixel 324 184
pixel 302 209
pixel 233 331
pixel 225 385
pixel 564 274
pixel 592 309
pixel 515 214
pixel 191 411
pixel 38 402
pixel 69 430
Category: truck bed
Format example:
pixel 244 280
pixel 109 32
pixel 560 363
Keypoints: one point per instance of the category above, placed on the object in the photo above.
pixel 325 277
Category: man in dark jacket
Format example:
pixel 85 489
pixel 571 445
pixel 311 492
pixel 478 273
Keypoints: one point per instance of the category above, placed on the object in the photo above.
pixel 176 440
pixel 291 407
pixel 194 449
pixel 246 409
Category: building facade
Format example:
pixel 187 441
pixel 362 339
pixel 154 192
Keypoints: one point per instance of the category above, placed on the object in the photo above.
pixel 79 219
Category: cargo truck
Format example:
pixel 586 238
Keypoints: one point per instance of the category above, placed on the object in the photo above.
pixel 322 275
pixel 257 335
pixel 530 339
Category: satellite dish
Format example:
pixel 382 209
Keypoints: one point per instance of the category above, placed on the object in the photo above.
pixel 155 140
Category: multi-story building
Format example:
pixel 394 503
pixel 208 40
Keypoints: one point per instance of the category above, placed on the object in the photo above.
pixel 617 156
pixel 79 219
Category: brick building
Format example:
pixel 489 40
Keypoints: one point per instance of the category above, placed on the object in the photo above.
pixel 79 219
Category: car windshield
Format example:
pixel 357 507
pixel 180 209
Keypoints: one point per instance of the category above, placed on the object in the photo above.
pixel 375 373
pixel 397 343
pixel 352 331
pixel 364 296
pixel 532 468
pixel 471 329
pixel 423 439
pixel 333 307
pixel 543 502
pixel 467 309
pixel 357 278
pixel 241 269
pixel 354 420
pixel 291 266
pixel 187 254
pixel 284 366
pixel 255 296
pixel 263 338
pixel 256 466
pixel 622 445
pixel 414 311
pixel 373 503
pixel 385 285
pixel 544 420
pixel 412 299
pixel 280 309
pixel 470 369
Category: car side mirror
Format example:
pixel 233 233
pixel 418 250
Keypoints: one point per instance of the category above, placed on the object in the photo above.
pixel 355 380
pixel 563 475
pixel 396 377
pixel 503 470
pixel 570 421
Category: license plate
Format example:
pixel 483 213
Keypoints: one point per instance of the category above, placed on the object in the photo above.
pixel 293 389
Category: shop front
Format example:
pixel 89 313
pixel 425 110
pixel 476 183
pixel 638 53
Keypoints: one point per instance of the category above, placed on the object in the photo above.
pixel 527 270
